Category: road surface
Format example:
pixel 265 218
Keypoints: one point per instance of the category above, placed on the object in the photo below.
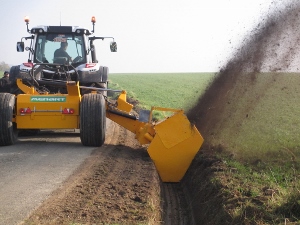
pixel 35 166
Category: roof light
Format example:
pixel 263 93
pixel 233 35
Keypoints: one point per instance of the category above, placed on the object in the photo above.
pixel 26 19
pixel 93 20
pixel 90 65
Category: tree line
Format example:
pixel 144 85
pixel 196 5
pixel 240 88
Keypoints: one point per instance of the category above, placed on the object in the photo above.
pixel 4 66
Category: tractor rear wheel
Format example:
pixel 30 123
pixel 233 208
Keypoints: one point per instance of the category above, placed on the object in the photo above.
pixel 8 130
pixel 92 120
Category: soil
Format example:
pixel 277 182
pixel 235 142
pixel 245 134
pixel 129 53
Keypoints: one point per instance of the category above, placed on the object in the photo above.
pixel 117 184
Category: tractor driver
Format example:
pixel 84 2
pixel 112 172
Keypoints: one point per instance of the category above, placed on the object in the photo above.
pixel 5 83
pixel 61 52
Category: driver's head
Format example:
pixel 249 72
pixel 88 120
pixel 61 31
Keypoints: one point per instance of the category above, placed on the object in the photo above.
pixel 6 74
pixel 64 45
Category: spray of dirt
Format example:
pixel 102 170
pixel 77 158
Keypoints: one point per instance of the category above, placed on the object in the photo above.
pixel 271 47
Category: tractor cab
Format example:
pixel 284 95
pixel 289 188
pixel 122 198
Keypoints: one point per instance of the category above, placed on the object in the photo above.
pixel 59 45
pixel 61 48
pixel 72 40
pixel 64 53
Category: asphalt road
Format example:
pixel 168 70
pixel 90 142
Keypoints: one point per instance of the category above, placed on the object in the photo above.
pixel 33 168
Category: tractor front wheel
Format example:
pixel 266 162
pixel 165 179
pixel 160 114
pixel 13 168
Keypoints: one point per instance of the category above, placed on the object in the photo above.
pixel 92 120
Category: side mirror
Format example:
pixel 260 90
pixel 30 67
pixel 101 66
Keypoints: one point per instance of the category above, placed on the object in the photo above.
pixel 113 46
pixel 20 46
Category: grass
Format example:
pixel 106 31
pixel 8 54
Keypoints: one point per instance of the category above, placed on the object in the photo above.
pixel 264 193
pixel 170 90
pixel 173 90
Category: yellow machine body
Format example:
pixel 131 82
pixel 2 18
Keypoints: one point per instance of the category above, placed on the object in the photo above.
pixel 173 142
pixel 47 111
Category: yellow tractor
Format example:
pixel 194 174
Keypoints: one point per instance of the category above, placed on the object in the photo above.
pixel 71 94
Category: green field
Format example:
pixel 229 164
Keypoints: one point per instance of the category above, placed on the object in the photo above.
pixel 272 125
pixel 262 118
pixel 173 90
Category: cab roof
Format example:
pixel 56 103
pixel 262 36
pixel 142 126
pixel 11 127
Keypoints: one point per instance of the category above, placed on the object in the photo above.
pixel 59 29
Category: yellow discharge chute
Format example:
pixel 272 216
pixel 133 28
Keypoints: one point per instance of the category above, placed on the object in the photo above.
pixel 174 142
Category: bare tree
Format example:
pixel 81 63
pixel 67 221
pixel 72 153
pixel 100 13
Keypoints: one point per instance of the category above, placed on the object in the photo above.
pixel 4 66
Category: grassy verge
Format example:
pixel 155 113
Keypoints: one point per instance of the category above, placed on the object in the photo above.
pixel 263 193
pixel 228 191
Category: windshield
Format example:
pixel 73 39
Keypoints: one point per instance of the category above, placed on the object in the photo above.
pixel 59 48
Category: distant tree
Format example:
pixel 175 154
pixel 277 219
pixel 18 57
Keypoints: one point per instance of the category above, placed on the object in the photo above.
pixel 4 66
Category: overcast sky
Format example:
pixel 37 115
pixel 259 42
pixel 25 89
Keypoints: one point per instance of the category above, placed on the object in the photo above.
pixel 152 36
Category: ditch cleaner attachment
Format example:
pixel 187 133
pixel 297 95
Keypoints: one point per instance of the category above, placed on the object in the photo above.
pixel 173 143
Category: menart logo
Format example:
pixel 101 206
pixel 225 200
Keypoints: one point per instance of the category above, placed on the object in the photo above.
pixel 47 99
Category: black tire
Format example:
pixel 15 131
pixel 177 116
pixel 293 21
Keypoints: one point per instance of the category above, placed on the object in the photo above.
pixel 8 129
pixel 92 120
pixel 13 75
pixel 104 76
pixel 104 73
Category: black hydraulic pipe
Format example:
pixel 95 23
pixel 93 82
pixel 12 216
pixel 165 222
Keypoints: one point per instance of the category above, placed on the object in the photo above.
pixel 122 114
